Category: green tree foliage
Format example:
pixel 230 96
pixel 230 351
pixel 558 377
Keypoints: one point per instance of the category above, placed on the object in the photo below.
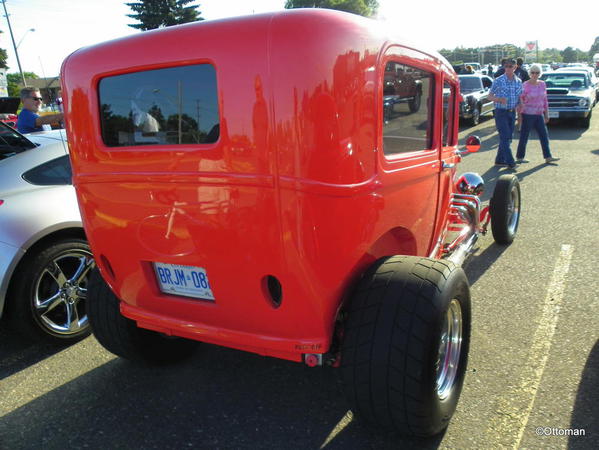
pixel 3 58
pixel 594 48
pixel 494 53
pixel 365 8
pixel 14 79
pixel 154 14
pixel 569 55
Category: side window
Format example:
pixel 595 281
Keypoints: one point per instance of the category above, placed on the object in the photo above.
pixel 175 105
pixel 407 106
pixel 55 172
pixel 449 96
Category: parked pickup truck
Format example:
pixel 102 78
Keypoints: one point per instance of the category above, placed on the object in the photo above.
pixel 243 187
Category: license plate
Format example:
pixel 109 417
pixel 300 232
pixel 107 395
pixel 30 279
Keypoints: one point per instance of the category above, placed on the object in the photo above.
pixel 187 281
pixel 553 114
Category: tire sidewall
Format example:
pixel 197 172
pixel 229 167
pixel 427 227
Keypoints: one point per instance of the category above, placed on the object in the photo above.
pixel 25 290
pixel 499 220
pixel 455 287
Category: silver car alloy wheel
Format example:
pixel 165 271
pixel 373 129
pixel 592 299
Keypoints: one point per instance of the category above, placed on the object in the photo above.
pixel 61 291
pixel 449 350
pixel 513 211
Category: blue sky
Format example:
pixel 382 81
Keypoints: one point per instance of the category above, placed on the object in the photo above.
pixel 63 26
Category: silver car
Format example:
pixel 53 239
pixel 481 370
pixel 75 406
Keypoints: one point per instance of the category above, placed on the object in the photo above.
pixel 44 256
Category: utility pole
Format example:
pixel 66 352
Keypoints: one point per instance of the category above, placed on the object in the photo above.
pixel 13 42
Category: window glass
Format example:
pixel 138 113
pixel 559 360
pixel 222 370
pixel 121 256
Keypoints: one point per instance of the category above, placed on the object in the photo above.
pixel 407 104
pixel 52 173
pixel 448 111
pixel 12 142
pixel 176 105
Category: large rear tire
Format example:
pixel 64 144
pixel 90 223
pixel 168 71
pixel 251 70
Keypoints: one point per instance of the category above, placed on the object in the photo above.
pixel 405 349
pixel 122 337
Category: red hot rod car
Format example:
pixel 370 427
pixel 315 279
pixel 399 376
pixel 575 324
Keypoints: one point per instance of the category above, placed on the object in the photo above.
pixel 248 183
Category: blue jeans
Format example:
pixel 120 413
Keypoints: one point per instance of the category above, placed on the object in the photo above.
pixel 505 121
pixel 537 122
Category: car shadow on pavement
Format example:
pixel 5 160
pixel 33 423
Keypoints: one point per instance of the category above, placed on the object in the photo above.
pixel 586 407
pixel 220 398
pixel 18 352
pixel 478 263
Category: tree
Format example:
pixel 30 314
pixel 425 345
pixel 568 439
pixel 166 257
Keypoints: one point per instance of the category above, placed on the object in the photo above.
pixel 569 55
pixel 365 8
pixel 154 14
pixel 594 48
pixel 3 58
pixel 13 80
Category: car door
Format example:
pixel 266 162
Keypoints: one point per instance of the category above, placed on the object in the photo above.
pixel 487 105
pixel 409 160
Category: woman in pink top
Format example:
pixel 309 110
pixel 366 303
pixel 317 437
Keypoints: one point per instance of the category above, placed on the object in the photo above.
pixel 533 113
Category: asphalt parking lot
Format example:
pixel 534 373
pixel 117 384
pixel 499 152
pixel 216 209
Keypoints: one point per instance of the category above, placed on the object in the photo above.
pixel 533 375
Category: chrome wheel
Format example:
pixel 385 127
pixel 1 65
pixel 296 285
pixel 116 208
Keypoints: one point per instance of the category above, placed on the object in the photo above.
pixel 449 350
pixel 60 293
pixel 513 211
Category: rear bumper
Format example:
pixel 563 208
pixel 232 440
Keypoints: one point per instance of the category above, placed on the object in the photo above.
pixel 277 347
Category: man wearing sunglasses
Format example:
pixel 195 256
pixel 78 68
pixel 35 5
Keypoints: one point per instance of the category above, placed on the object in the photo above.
pixel 505 93
pixel 29 120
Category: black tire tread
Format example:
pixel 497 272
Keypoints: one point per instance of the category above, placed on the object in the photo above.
pixel 499 218
pixel 406 291
pixel 18 311
pixel 122 337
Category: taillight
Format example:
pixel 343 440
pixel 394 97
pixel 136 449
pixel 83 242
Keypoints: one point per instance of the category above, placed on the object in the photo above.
pixel 1 201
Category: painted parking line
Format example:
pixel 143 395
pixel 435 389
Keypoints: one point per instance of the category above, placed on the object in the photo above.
pixel 515 407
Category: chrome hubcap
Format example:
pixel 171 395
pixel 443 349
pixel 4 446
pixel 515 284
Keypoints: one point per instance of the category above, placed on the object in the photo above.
pixel 61 291
pixel 449 350
pixel 513 211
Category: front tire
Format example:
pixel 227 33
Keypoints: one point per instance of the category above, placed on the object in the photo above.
pixel 121 336
pixel 414 103
pixel 586 122
pixel 406 344
pixel 505 208
pixel 49 297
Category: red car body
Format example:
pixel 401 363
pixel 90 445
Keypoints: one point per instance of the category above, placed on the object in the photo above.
pixel 296 198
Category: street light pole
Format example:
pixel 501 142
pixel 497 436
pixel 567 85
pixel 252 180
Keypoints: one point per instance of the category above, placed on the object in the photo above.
pixel 13 42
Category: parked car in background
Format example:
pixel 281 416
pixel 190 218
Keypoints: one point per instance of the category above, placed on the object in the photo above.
pixel 570 95
pixel 402 86
pixel 475 97
pixel 313 225
pixel 475 66
pixel 594 80
pixel 8 110
pixel 44 256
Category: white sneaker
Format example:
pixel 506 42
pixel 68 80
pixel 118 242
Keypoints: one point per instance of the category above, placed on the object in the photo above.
pixel 551 159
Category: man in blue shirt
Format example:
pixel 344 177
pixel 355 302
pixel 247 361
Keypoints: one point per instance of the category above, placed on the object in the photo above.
pixel 505 93
pixel 29 120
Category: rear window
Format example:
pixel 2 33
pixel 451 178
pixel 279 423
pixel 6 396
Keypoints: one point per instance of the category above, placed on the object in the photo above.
pixel 12 142
pixel 55 172
pixel 176 105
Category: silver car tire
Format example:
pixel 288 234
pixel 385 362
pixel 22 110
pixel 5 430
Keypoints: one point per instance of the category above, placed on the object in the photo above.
pixel 48 295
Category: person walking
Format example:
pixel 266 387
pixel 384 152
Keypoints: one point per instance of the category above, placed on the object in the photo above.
pixel 521 71
pixel 505 93
pixel 533 112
